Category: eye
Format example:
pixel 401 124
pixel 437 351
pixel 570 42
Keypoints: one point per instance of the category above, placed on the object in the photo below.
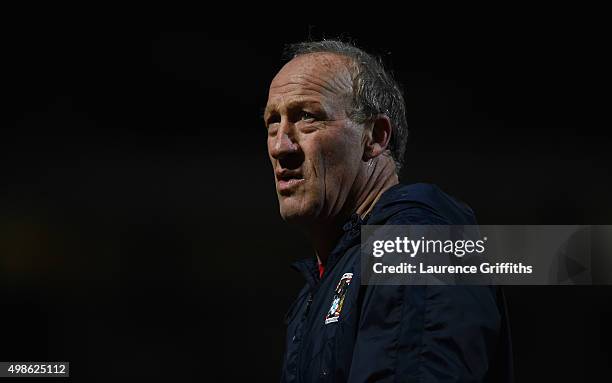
pixel 305 116
pixel 272 120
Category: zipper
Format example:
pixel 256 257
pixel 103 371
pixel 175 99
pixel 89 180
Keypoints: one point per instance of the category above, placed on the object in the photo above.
pixel 351 229
pixel 301 346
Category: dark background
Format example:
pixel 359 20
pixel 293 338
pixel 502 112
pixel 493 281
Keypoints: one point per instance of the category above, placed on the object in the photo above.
pixel 139 228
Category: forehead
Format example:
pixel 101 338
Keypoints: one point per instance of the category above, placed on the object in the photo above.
pixel 316 76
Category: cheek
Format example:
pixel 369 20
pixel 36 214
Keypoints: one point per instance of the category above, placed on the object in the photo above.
pixel 342 154
pixel 334 157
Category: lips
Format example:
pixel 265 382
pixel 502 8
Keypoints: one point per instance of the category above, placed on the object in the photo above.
pixel 287 180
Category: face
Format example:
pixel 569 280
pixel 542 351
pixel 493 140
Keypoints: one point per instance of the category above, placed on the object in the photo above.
pixel 315 149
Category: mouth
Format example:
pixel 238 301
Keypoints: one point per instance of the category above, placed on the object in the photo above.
pixel 287 180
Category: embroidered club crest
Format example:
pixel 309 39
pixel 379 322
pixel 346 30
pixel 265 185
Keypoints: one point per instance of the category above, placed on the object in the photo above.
pixel 334 311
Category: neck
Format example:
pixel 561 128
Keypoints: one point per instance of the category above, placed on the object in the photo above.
pixel 376 177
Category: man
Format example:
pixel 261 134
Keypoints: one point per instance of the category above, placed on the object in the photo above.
pixel 336 138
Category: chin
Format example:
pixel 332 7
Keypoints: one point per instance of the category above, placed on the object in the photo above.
pixel 300 214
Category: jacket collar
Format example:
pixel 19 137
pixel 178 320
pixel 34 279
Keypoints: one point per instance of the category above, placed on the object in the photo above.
pixel 308 266
pixel 428 198
pixel 352 232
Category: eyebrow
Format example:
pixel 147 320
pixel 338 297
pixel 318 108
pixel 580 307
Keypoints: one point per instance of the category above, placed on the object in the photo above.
pixel 292 104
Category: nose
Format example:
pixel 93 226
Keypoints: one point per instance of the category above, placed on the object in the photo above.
pixel 283 144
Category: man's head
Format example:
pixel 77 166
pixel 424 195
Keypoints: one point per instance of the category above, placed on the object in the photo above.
pixel 332 111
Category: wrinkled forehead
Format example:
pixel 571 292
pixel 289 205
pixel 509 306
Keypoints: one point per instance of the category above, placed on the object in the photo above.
pixel 315 74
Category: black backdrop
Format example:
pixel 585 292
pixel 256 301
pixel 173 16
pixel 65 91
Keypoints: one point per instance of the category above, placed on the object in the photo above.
pixel 139 230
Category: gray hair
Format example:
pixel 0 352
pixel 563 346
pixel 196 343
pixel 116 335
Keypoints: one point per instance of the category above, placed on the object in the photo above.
pixel 375 91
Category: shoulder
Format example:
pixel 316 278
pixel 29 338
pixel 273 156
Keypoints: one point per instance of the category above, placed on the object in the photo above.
pixel 420 204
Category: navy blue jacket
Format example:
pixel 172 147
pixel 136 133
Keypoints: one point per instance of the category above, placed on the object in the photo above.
pixel 340 331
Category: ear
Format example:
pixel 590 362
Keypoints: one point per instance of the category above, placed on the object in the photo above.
pixel 377 137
